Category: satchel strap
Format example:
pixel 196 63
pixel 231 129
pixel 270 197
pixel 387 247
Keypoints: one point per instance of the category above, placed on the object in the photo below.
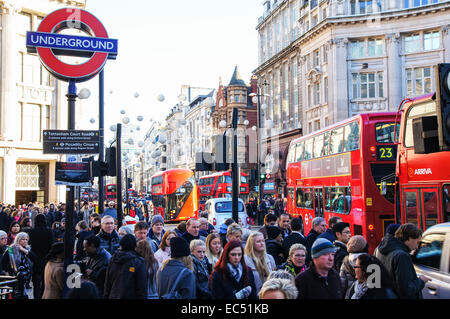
pixel 176 281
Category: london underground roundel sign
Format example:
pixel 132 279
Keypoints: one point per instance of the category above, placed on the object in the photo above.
pixel 48 43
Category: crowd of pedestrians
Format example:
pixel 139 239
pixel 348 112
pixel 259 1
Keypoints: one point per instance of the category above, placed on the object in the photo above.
pixel 144 260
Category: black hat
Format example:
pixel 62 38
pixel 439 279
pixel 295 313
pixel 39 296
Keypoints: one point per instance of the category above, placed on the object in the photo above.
pixel 179 247
pixel 273 232
pixel 128 242
pixel 392 228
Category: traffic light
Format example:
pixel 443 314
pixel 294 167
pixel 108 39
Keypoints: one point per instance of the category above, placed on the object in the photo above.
pixel 220 159
pixel 263 178
pixel 129 184
pixel 110 158
pixel 443 103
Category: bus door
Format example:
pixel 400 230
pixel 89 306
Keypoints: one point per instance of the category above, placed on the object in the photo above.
pixel 430 206
pixel 446 203
pixel 291 202
pixel 421 206
pixel 318 202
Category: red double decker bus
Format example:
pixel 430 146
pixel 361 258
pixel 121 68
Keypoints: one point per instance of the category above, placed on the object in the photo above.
pixel 344 170
pixel 220 185
pixel 174 194
pixel 422 172
pixel 111 192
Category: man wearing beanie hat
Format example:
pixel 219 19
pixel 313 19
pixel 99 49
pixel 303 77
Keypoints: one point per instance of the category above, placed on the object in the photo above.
pixel 156 229
pixel 320 280
pixel 126 276
pixel 274 244
pixel 176 274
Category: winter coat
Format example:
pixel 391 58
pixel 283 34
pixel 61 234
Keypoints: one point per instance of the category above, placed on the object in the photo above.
pixel 372 293
pixel 81 236
pixel 311 285
pixel 5 221
pixel 275 249
pixel 202 278
pixel 162 255
pixel 41 240
pixel 328 234
pixel 188 237
pixel 111 212
pixel 54 280
pixel 98 263
pixel 224 286
pixel 152 236
pixel 340 254
pixel 293 238
pixel 310 239
pixel 263 230
pixel 291 268
pixel 399 264
pixel 270 261
pixel 152 289
pixel 126 276
pixel 2 251
pixel 111 242
pixel 384 242
pixel 165 278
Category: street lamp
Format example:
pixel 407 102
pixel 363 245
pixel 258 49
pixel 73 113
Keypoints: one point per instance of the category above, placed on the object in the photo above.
pixel 258 95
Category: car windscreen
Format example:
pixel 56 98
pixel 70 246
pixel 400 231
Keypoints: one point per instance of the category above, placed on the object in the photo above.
pixel 226 207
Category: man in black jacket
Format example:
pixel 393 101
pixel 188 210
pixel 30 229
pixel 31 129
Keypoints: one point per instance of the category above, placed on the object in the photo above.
pixel 320 280
pixel 109 238
pixel 318 227
pixel 126 276
pixel 399 263
pixel 342 232
pixel 296 237
pixel 96 262
pixel 41 240
pixel 5 219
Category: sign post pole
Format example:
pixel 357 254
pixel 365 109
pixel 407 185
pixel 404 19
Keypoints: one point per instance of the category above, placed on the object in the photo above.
pixel 101 157
pixel 69 234
pixel 119 174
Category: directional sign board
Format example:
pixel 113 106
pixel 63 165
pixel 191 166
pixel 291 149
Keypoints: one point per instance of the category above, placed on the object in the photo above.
pixel 71 142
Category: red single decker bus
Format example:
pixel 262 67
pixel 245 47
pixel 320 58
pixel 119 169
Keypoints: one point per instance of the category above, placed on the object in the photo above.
pixel 422 172
pixel 220 185
pixel 344 170
pixel 111 192
pixel 174 194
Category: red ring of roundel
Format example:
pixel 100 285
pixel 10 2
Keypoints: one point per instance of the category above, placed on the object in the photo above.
pixel 63 70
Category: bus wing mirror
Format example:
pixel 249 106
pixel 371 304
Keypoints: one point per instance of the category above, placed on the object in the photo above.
pixel 383 188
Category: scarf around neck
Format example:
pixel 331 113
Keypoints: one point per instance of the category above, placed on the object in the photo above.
pixel 360 290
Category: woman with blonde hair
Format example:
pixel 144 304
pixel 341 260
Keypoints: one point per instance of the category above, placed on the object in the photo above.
pixel 213 248
pixel 295 263
pixel 256 258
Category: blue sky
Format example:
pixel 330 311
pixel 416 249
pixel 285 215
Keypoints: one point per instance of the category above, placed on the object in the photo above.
pixel 164 44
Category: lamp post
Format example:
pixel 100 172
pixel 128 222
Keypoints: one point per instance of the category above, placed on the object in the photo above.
pixel 258 101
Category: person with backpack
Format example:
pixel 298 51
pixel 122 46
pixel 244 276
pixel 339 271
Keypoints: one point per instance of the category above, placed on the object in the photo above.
pixel 175 279
pixel 126 275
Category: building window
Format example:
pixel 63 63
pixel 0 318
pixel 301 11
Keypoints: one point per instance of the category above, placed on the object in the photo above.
pixel 357 49
pixel 24 23
pixel 316 58
pixel 412 43
pixel 418 81
pixel 325 54
pixel 325 90
pixel 375 47
pixel 365 6
pixel 31 122
pixel 316 93
pixel 367 85
pixel 431 40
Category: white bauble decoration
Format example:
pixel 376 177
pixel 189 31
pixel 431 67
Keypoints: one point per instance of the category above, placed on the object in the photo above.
pixel 84 93
pixel 263 106
pixel 136 94
pixel 126 120
pixel 141 144
pixel 161 98
pixel 140 118
pixel 246 122
pixel 122 111
pixel 113 128
pixel 92 120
